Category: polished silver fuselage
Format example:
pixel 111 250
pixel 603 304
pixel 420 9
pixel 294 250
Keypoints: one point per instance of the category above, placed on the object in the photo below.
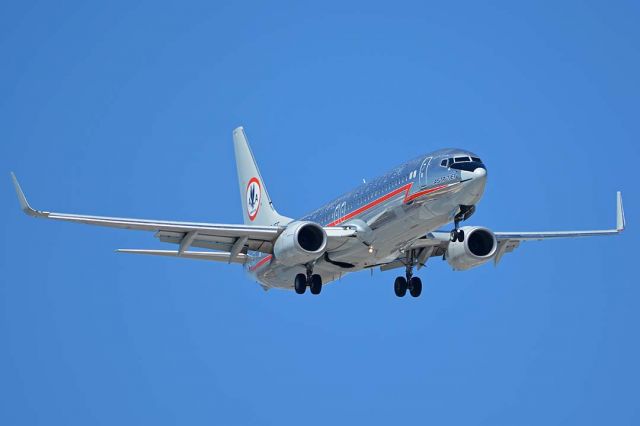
pixel 390 213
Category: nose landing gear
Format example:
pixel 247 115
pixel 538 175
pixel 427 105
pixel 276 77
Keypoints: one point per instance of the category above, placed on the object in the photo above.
pixel 465 213
pixel 457 235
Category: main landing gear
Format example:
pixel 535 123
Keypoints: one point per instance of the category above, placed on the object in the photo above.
pixel 414 285
pixel 313 281
pixel 465 213
pixel 408 282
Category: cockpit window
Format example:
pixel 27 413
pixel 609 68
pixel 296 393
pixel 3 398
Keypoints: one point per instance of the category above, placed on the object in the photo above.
pixel 448 162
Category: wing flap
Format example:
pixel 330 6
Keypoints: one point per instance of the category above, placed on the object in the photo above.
pixel 266 233
pixel 200 255
pixel 215 242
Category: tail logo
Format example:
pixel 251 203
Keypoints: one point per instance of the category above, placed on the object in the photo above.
pixel 253 195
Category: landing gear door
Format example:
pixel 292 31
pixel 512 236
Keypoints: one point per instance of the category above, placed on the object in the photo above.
pixel 422 175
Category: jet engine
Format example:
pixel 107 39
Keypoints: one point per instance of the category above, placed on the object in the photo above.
pixel 479 246
pixel 300 243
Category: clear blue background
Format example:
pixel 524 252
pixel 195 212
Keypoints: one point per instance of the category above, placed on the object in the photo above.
pixel 127 109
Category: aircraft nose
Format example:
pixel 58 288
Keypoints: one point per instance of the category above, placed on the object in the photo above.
pixel 478 174
pixel 475 180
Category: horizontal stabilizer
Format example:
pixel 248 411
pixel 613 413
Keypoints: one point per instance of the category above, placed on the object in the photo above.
pixel 202 255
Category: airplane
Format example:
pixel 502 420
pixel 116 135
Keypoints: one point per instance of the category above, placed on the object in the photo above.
pixel 388 223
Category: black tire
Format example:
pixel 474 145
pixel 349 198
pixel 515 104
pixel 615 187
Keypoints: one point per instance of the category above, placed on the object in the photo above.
pixel 300 283
pixel 461 235
pixel 400 286
pixel 315 284
pixel 415 286
pixel 454 236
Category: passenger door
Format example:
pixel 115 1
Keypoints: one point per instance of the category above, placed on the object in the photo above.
pixel 423 174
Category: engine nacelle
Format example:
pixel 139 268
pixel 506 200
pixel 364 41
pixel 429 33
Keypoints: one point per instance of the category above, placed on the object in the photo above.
pixel 478 247
pixel 300 243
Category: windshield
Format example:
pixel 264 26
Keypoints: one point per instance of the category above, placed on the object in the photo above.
pixel 462 162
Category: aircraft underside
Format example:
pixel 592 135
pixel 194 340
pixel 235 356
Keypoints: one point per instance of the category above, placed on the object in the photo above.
pixel 387 223
pixel 387 243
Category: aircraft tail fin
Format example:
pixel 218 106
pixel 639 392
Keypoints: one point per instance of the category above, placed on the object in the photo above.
pixel 257 208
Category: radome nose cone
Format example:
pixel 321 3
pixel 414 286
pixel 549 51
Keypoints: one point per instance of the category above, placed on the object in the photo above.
pixel 477 174
pixel 480 172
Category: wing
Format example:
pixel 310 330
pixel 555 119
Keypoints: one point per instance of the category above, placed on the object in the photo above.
pixel 509 241
pixel 436 243
pixel 233 241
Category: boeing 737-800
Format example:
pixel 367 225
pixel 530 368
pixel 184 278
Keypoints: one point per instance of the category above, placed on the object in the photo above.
pixel 390 222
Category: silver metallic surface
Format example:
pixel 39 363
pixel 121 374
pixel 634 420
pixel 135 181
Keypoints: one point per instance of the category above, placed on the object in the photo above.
pixel 376 225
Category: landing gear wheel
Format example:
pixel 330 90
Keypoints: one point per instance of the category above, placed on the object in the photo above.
pixel 315 284
pixel 400 286
pixel 465 213
pixel 300 283
pixel 457 235
pixel 415 286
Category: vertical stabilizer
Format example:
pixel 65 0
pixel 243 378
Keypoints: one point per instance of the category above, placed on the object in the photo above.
pixel 257 208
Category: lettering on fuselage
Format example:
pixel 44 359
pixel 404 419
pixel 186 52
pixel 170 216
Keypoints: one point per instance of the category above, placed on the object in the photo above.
pixel 445 178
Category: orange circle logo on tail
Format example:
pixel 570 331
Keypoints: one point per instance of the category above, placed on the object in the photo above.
pixel 254 193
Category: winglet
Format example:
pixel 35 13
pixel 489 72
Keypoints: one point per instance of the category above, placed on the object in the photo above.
pixel 620 221
pixel 24 204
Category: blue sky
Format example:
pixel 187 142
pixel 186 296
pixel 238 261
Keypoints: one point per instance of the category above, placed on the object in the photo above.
pixel 127 108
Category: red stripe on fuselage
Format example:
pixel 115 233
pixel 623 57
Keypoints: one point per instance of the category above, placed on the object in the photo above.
pixel 262 262
pixel 366 207
pixel 374 203
pixel 418 194
pixel 407 198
